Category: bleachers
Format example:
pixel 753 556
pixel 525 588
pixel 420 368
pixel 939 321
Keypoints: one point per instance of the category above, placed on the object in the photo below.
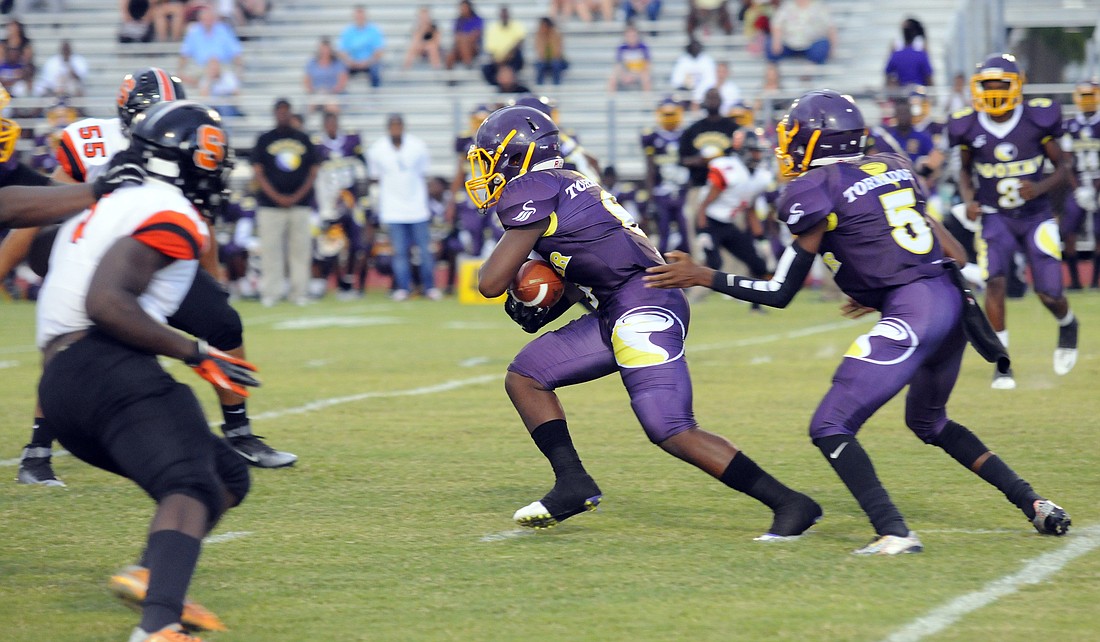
pixel 435 102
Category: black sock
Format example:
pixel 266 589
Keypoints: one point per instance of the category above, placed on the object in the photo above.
pixel 41 434
pixel 1074 274
pixel 234 415
pixel 965 447
pixel 171 557
pixel 744 475
pixel 552 438
pixel 855 469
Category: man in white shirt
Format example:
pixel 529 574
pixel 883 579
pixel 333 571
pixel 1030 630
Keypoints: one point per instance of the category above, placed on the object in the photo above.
pixel 63 74
pixel 399 163
pixel 694 68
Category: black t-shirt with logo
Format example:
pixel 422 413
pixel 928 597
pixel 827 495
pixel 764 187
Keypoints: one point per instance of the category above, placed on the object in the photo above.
pixel 287 157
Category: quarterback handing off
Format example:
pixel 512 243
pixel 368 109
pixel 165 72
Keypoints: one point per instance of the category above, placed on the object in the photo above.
pixel 865 217
pixel 592 242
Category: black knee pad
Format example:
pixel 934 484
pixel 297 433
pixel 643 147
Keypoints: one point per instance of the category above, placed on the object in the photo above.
pixel 195 482
pixel 233 472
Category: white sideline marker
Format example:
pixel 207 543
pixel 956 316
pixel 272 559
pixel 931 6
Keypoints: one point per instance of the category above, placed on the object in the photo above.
pixel 1081 541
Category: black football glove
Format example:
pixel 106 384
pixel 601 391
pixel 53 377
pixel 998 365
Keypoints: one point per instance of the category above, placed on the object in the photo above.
pixel 126 167
pixel 530 318
pixel 221 369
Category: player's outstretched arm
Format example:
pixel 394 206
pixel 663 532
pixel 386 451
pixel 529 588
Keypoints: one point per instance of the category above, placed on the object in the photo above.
pixel 35 206
pixel 776 292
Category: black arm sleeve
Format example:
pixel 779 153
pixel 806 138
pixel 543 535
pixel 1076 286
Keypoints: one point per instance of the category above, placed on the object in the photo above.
pixel 775 292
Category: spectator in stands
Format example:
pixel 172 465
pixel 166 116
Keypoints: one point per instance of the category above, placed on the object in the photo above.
pixel 694 68
pixel 730 92
pixel 508 81
pixel 13 74
pixel 467 36
pixel 208 38
pixel 284 164
pixel 424 41
pixel 136 21
pixel 909 64
pixel 250 10
pixel 63 74
pixel 361 47
pixel 633 8
pixel 704 13
pixel 584 9
pixel 632 63
pixel 801 28
pixel 400 164
pixel 17 39
pixel 219 87
pixel 504 44
pixel 326 77
pixel 169 19
pixel 550 59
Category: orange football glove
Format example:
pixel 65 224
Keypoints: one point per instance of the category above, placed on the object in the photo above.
pixel 223 370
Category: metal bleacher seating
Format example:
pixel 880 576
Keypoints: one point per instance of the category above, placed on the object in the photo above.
pixel 435 102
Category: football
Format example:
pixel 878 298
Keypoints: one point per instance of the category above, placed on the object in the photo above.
pixel 537 284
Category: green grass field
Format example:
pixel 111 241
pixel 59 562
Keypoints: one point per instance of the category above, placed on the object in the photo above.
pixel 396 522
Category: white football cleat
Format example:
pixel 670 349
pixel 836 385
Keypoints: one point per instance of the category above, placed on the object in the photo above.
pixel 892 545
pixel 1064 360
pixel 1003 380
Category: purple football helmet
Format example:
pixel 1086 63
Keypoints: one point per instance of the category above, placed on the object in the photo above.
pixel 545 104
pixel 820 124
pixel 511 142
pixel 1001 69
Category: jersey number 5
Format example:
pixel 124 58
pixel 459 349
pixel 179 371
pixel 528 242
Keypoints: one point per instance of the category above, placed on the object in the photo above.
pixel 910 230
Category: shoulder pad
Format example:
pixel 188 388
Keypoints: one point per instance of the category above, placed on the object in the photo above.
pixel 1043 112
pixel 962 113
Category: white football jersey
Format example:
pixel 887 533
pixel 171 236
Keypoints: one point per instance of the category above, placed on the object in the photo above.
pixel 739 188
pixel 154 213
pixel 88 145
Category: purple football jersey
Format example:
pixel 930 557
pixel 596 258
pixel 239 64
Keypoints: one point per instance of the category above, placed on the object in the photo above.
pixel 1082 139
pixel 663 147
pixel 1003 154
pixel 877 236
pixel 592 240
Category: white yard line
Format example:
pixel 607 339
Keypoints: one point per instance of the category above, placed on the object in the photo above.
pixel 226 536
pixel 1079 542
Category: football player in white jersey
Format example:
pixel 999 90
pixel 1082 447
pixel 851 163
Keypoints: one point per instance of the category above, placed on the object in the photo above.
pixel 86 148
pixel 125 266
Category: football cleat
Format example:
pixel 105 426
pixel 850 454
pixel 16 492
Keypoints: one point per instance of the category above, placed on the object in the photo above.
pixel 792 520
pixel 1050 518
pixel 1003 380
pixel 892 545
pixel 131 583
pixel 1065 355
pixel 170 633
pixel 567 499
pixel 255 451
pixel 35 468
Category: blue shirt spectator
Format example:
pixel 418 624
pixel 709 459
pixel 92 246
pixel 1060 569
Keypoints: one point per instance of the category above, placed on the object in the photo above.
pixel 208 38
pixel 361 47
pixel 909 64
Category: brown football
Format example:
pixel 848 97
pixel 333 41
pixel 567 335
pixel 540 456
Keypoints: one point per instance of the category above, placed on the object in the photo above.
pixel 537 284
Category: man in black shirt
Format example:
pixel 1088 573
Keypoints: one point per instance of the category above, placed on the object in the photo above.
pixel 703 140
pixel 285 165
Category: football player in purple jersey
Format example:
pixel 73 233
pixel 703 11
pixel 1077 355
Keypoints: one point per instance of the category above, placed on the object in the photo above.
pixel 592 242
pixel 340 204
pixel 1003 144
pixel 865 217
pixel 473 228
pixel 666 179
pixel 1082 142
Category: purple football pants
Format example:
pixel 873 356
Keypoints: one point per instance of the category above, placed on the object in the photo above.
pixel 918 342
pixel 638 333
pixel 1036 237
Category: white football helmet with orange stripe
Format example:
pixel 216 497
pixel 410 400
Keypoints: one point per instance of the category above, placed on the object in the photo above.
pixel 143 89
pixel 9 129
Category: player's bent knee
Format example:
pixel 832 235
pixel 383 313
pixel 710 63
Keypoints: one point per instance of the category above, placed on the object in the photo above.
pixel 227 333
